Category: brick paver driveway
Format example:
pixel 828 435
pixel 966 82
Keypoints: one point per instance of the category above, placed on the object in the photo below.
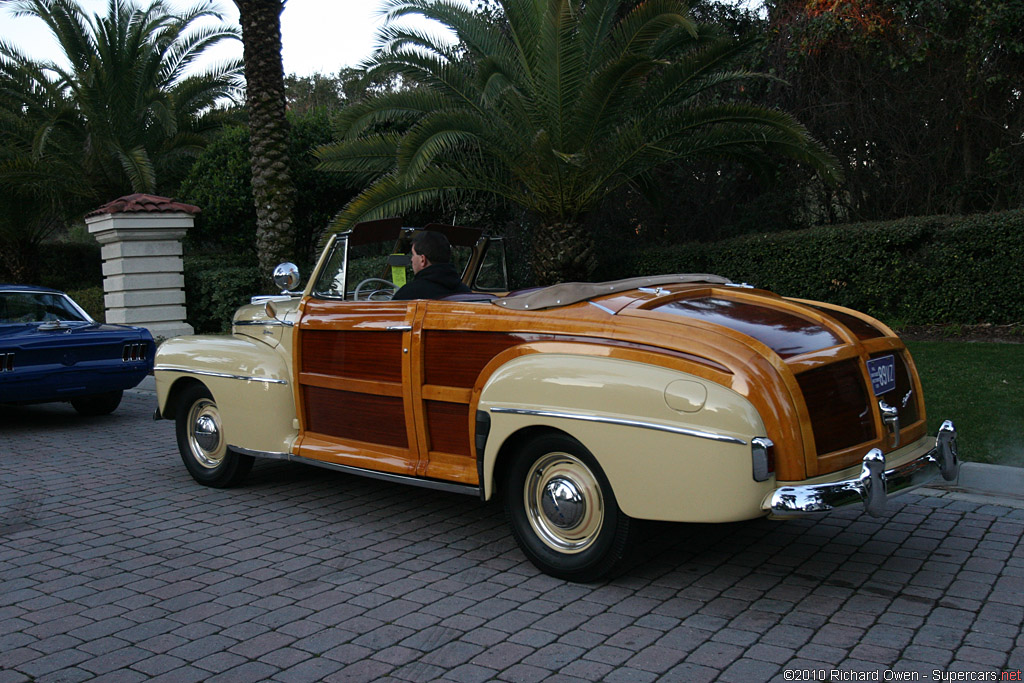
pixel 114 565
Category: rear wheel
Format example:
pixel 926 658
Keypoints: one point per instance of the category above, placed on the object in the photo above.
pixel 563 512
pixel 201 441
pixel 98 404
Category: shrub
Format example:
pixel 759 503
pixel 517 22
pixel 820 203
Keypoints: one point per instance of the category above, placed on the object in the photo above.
pixel 215 286
pixel 933 269
pixel 70 265
pixel 91 299
pixel 220 184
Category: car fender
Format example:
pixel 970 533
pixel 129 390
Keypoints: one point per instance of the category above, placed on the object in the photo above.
pixel 674 446
pixel 250 382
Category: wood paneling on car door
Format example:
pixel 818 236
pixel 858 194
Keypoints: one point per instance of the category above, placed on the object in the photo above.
pixel 354 373
pixel 452 362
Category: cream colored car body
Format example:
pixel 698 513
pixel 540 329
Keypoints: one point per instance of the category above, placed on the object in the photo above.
pixel 249 374
pixel 669 443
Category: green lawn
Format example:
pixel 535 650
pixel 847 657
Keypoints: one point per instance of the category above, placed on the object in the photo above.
pixel 980 386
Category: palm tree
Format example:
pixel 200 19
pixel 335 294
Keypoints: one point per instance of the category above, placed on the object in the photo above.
pixel 124 112
pixel 272 186
pixel 37 191
pixel 550 105
pixel 126 106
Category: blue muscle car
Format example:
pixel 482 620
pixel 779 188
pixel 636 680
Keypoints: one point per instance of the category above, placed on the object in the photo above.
pixel 51 350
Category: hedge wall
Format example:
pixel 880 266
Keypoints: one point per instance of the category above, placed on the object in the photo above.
pixel 913 271
pixel 215 286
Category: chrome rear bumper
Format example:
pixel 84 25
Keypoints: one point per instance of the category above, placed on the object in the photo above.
pixel 874 485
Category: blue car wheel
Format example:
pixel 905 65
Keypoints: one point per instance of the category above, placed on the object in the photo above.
pixel 99 404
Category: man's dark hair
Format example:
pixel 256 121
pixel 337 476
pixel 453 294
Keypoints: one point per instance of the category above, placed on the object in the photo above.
pixel 433 245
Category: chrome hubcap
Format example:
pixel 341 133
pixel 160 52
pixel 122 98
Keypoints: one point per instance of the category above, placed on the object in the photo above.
pixel 204 434
pixel 207 435
pixel 564 503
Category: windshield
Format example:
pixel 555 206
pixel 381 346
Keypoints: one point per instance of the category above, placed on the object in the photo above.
pixel 37 307
pixel 387 260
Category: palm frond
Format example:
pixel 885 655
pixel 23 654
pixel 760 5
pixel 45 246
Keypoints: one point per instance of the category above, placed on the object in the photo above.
pixel 440 136
pixel 362 159
pixel 550 104
pixel 138 167
pixel 123 102
pixel 647 24
pixel 391 196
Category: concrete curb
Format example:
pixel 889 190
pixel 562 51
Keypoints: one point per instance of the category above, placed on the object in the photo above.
pixel 1000 481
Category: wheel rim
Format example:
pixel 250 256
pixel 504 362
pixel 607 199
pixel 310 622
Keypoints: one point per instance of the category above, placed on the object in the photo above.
pixel 564 503
pixel 204 434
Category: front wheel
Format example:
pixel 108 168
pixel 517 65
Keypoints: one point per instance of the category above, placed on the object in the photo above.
pixel 563 512
pixel 201 441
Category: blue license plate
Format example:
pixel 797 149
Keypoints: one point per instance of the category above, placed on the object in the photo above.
pixel 883 374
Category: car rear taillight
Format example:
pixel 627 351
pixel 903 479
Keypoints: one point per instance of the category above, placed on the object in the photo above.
pixel 134 351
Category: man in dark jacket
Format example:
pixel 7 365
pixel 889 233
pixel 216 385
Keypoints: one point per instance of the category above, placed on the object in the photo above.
pixel 435 276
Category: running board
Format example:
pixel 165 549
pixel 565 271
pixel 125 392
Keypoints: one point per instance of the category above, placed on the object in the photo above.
pixel 446 486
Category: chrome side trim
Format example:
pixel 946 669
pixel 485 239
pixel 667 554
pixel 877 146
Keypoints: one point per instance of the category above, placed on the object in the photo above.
pixel 446 486
pixel 282 297
pixel 624 423
pixel 875 484
pixel 269 323
pixel 399 328
pixel 603 308
pixel 224 375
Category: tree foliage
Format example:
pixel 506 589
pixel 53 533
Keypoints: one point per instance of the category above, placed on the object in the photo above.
pixel 552 105
pixel 220 183
pixel 920 98
pixel 333 92
pixel 125 111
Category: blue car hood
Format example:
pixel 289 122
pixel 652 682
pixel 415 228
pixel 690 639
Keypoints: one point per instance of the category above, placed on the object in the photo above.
pixel 31 334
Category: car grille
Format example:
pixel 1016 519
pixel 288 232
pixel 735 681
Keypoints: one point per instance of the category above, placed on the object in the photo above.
pixel 134 351
pixel 7 362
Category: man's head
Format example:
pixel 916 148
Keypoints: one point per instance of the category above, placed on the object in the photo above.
pixel 429 247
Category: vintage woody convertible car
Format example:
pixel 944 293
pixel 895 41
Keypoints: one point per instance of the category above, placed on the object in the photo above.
pixel 584 406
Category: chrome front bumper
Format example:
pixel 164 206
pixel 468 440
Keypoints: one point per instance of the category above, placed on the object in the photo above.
pixel 874 485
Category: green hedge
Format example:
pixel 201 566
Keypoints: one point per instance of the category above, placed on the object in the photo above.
pixel 70 265
pixel 215 286
pixel 91 299
pixel 914 271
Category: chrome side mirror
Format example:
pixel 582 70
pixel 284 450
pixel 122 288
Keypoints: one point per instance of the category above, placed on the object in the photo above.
pixel 286 276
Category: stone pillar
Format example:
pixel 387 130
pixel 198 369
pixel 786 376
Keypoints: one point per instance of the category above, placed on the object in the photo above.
pixel 143 274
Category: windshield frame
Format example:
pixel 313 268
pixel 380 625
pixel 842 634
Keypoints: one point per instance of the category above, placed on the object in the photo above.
pixel 329 274
pixel 37 293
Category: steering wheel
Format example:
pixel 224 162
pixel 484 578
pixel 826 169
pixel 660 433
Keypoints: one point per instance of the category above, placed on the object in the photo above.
pixel 369 297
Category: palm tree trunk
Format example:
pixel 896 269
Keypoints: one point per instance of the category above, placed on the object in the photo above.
pixel 272 187
pixel 563 252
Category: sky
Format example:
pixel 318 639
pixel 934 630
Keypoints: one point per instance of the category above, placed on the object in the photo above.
pixel 317 35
